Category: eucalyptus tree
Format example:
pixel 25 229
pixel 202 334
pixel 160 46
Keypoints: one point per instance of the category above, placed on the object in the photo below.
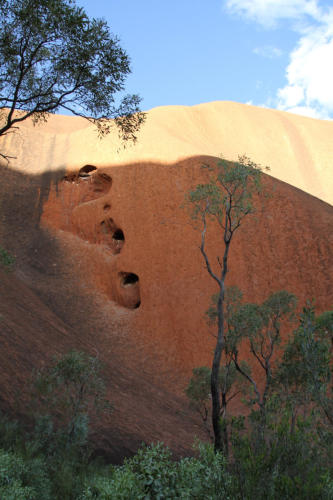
pixel 260 327
pixel 53 57
pixel 226 198
pixel 67 393
pixel 305 371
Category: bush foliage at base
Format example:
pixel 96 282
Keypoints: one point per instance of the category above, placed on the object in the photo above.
pixel 281 451
pixel 284 467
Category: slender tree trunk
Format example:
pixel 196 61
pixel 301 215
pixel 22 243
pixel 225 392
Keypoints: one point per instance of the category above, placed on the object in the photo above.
pixel 225 426
pixel 215 388
pixel 216 406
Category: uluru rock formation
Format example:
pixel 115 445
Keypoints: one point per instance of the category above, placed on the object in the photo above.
pixel 108 261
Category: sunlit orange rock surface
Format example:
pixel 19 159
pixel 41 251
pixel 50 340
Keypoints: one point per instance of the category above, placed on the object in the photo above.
pixel 107 259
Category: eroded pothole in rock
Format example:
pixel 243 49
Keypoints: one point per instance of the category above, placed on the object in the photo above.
pixel 129 279
pixel 86 171
pixel 129 290
pixel 112 236
pixel 89 183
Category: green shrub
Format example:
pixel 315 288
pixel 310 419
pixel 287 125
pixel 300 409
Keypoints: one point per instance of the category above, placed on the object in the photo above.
pixel 288 465
pixel 23 479
pixel 119 483
pixel 6 260
pixel 152 474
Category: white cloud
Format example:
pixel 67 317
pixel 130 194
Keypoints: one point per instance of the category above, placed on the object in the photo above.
pixel 268 51
pixel 268 12
pixel 310 72
pixel 291 95
pixel 308 111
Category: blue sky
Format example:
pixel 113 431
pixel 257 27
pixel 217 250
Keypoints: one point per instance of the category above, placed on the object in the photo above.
pixel 272 53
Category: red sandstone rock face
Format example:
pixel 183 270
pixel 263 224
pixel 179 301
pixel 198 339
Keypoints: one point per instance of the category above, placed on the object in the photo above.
pixel 108 262
pixel 135 244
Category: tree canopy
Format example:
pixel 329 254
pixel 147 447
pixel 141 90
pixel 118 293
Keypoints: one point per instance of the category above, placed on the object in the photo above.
pixel 53 57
